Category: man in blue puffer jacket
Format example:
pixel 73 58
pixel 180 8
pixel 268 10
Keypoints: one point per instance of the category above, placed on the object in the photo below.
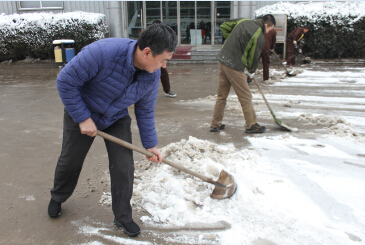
pixel 96 88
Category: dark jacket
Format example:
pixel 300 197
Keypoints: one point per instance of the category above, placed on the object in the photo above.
pixel 99 83
pixel 296 35
pixel 244 43
pixel 270 40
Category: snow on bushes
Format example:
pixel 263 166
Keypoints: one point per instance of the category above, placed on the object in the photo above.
pixel 337 29
pixel 31 35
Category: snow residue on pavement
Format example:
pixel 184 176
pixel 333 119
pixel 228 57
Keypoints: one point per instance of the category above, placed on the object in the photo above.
pixel 284 192
pixel 334 124
pixel 90 230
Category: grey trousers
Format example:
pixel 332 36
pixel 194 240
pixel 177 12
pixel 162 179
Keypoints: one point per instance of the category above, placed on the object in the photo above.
pixel 75 147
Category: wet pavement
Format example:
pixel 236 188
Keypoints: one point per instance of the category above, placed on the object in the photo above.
pixel 31 115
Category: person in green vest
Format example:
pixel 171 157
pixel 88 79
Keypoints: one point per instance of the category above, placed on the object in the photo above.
pixel 238 59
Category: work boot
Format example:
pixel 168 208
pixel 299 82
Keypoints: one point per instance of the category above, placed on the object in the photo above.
pixel 256 128
pixel 223 126
pixel 54 209
pixel 131 228
pixel 249 80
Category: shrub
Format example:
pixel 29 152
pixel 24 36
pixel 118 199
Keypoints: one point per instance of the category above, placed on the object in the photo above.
pixel 31 35
pixel 337 29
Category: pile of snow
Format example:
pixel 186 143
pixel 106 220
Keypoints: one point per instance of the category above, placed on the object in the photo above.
pixel 316 11
pixel 269 202
pixel 334 124
pixel 174 198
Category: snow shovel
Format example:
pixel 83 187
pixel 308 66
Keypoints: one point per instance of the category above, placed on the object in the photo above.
pixel 277 121
pixel 287 72
pixel 225 186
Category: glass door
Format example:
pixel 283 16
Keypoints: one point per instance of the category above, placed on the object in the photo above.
pixel 204 22
pixel 135 19
pixel 187 21
pixel 222 13
pixel 153 11
pixel 169 14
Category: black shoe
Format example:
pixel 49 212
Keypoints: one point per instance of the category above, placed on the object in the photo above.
pixel 256 128
pixel 54 209
pixel 249 80
pixel 131 228
pixel 170 94
pixel 223 126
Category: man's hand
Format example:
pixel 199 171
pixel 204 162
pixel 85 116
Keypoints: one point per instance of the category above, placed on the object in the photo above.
pixel 271 51
pixel 157 157
pixel 300 51
pixel 88 127
pixel 250 75
pixel 295 44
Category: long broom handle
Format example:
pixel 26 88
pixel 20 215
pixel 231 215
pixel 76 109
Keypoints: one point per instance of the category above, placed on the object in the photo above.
pixel 263 96
pixel 149 154
pixel 280 61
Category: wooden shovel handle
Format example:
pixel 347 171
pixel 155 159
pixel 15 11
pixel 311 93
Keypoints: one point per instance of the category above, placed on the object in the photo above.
pixel 149 154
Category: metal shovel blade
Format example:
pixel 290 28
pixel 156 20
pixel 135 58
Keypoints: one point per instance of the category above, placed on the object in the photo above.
pixel 224 192
pixel 287 72
pixel 277 121
pixel 282 124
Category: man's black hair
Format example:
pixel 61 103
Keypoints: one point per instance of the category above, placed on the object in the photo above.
pixel 306 27
pixel 269 19
pixel 159 38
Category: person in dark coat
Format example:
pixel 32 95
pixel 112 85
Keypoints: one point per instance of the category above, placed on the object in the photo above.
pixel 165 79
pixel 292 42
pixel 96 87
pixel 270 41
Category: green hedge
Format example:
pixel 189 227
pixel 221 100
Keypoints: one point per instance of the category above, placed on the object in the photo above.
pixel 326 41
pixel 337 29
pixel 31 35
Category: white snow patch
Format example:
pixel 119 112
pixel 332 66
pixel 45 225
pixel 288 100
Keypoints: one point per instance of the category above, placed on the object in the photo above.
pixel 269 202
pixel 27 197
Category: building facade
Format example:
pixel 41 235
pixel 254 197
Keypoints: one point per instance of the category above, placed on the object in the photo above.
pixel 195 22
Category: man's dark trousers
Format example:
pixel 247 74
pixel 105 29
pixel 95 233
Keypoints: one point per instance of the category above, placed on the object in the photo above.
pixel 75 147
pixel 165 80
pixel 265 54
pixel 290 52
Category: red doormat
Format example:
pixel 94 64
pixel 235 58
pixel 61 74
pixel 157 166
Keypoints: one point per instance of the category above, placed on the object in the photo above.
pixel 182 53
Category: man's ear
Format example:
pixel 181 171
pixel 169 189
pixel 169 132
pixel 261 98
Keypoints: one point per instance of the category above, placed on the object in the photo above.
pixel 146 52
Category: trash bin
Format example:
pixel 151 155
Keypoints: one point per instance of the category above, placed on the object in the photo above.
pixel 64 50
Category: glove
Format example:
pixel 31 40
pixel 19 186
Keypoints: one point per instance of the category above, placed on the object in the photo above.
pixel 295 42
pixel 300 51
pixel 250 75
pixel 271 51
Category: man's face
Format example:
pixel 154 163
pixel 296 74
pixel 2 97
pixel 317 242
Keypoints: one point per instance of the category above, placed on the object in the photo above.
pixel 153 63
pixel 269 28
pixel 306 30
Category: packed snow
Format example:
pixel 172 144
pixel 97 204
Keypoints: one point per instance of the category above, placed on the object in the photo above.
pixel 291 189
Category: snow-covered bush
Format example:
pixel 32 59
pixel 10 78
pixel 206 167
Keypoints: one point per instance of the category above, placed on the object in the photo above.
pixel 31 35
pixel 337 29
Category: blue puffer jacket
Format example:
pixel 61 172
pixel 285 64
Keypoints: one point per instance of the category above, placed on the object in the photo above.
pixel 98 83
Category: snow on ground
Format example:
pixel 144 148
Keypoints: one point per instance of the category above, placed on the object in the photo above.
pixel 291 190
